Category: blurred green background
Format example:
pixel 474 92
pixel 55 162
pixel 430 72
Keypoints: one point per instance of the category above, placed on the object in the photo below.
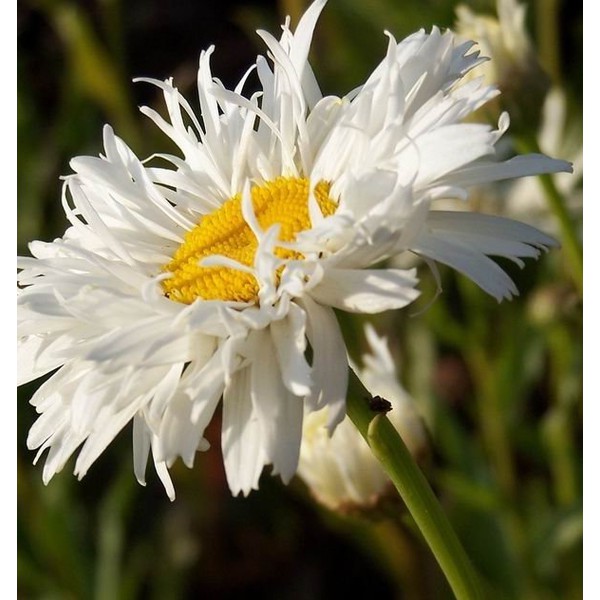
pixel 499 386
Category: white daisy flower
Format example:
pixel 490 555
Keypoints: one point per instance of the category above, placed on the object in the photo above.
pixel 503 38
pixel 188 281
pixel 340 469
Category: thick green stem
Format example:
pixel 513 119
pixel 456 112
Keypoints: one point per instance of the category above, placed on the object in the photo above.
pixel 388 447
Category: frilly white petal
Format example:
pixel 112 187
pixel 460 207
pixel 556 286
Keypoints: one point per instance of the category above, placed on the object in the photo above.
pixel 367 290
pixel 289 338
pixel 278 411
pixel 241 440
pixel 329 361
pixel 463 241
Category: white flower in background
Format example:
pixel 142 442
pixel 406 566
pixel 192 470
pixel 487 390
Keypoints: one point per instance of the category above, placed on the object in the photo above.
pixel 514 65
pixel 503 39
pixel 340 469
pixel 186 280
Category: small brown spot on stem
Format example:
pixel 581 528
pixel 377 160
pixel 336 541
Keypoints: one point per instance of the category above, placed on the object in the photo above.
pixel 379 405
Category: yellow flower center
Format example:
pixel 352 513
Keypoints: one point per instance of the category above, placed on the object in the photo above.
pixel 225 232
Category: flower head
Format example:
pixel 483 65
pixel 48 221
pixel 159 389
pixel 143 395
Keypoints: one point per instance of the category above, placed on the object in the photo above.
pixel 340 469
pixel 186 281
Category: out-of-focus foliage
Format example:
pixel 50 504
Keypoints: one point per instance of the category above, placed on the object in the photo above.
pixel 499 386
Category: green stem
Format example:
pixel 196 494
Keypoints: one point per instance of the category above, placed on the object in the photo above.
pixel 548 37
pixel 389 449
pixel 558 422
pixel 492 419
pixel 570 240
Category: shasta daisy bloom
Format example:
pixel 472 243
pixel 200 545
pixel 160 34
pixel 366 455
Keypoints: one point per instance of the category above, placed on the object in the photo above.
pixel 340 469
pixel 186 281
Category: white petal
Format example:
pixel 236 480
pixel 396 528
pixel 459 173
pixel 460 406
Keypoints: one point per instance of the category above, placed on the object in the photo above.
pixel 300 48
pixel 178 434
pixel 146 341
pixel 142 444
pixel 289 337
pixel 448 148
pixel 367 290
pixel 279 412
pixel 490 234
pixel 472 263
pixel 329 362
pixel 165 478
pixel 289 436
pixel 163 393
pixel 141 448
pixel 462 240
pixel 241 441
pixel 107 426
pixel 519 166
pixel 303 34
pixel 33 362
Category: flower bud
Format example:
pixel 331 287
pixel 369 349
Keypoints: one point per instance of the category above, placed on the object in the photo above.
pixel 340 469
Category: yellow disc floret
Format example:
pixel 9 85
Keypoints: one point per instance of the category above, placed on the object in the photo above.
pixel 225 232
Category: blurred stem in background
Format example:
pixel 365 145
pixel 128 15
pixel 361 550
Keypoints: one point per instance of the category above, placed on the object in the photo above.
pixel 559 421
pixel 96 72
pixel 547 32
pixel 114 512
pixel 489 350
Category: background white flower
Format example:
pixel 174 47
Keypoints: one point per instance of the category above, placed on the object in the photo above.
pixel 184 281
pixel 340 469
pixel 504 39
